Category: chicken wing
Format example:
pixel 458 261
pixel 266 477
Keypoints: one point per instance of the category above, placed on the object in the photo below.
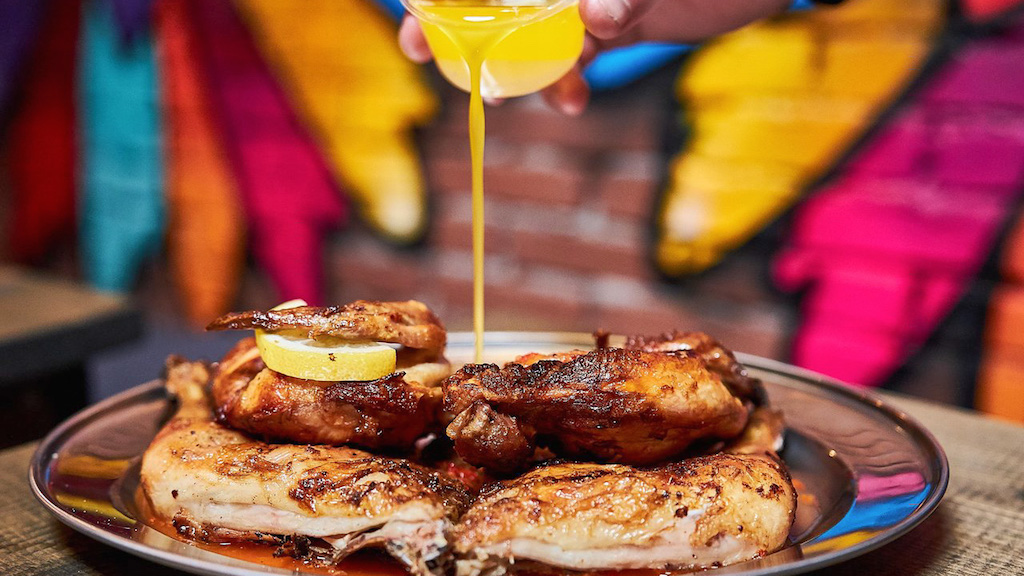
pixel 610 404
pixel 703 512
pixel 389 412
pixel 216 484
pixel 411 323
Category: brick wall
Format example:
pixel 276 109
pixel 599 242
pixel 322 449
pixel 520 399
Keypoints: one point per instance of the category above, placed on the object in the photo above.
pixel 569 204
pixel 568 209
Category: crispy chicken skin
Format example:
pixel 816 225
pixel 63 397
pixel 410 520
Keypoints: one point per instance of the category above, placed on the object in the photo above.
pixel 703 512
pixel 390 412
pixel 764 433
pixel 610 404
pixel 717 357
pixel 411 323
pixel 217 484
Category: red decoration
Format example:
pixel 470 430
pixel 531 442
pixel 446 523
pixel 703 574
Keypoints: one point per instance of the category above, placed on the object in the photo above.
pixel 290 197
pixel 43 140
pixel 987 9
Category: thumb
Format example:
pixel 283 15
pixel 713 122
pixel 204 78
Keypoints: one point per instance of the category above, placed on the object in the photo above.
pixel 610 18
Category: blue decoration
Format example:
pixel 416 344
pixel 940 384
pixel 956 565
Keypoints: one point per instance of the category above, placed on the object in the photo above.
pixel 121 208
pixel 393 7
pixel 621 66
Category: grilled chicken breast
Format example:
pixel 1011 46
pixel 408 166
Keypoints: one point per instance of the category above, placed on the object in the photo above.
pixel 391 412
pixel 611 405
pixel 703 512
pixel 218 484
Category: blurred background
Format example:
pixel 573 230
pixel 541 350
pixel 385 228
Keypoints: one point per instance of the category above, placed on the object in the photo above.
pixel 838 187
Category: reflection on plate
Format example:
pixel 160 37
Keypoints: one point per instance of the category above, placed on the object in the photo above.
pixel 866 473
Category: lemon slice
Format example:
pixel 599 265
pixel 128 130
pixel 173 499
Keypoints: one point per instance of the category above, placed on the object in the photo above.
pixel 293 353
pixel 297 303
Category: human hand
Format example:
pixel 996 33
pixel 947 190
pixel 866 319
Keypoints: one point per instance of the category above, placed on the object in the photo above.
pixel 613 23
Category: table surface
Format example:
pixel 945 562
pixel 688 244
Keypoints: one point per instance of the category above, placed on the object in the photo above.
pixel 978 529
pixel 50 324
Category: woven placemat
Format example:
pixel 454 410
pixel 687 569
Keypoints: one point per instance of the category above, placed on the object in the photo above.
pixel 978 529
pixel 32 542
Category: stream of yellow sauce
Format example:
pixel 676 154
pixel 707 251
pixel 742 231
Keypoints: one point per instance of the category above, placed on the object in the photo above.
pixel 497 49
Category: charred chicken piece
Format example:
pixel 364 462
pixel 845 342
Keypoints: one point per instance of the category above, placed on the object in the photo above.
pixel 411 323
pixel 389 412
pixel 702 512
pixel 216 484
pixel 610 404
pixel 717 357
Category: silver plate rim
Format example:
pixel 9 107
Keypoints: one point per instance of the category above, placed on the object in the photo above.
pixel 925 439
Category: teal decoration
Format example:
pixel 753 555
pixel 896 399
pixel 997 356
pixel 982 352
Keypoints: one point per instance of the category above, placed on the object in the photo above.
pixel 122 213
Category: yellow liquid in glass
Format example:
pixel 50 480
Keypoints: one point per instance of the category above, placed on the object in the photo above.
pixel 529 49
pixel 497 49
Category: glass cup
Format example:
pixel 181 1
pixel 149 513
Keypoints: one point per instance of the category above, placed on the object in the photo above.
pixel 525 45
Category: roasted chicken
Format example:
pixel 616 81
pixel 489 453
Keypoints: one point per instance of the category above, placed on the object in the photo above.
pixel 216 484
pixel 633 412
pixel 390 412
pixel 703 512
pixel 610 405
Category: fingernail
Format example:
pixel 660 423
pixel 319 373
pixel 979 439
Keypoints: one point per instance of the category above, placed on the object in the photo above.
pixel 572 98
pixel 617 10
pixel 572 104
pixel 572 108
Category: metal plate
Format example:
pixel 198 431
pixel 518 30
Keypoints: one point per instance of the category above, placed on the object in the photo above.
pixel 866 472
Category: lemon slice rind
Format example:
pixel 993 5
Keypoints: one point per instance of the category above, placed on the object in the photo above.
pixel 293 353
